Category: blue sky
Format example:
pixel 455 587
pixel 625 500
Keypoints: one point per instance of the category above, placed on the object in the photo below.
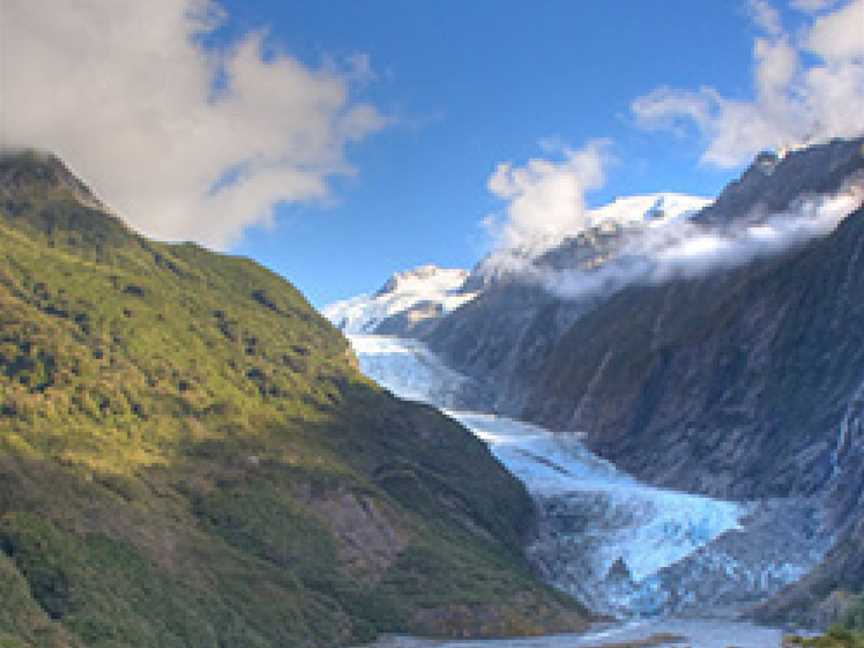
pixel 338 142
pixel 474 84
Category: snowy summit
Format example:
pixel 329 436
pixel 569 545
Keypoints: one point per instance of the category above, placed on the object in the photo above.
pixel 649 209
pixel 439 289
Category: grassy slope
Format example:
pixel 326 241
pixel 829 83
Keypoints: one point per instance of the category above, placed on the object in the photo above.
pixel 188 457
pixel 848 633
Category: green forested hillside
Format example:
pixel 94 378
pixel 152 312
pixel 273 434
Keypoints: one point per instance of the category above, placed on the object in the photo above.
pixel 189 457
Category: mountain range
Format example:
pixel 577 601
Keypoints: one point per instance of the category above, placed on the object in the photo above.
pixel 719 351
pixel 191 456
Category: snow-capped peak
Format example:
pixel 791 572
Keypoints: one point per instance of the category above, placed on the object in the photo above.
pixel 424 279
pixel 649 208
pixel 440 289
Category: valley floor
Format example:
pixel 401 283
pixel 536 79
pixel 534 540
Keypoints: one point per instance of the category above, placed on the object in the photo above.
pixel 657 633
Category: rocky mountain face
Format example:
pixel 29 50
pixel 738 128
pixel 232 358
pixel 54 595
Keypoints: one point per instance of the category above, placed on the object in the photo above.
pixel 189 456
pixel 417 303
pixel 605 365
pixel 772 182
pixel 741 381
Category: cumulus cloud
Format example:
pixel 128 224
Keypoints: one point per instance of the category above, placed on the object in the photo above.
pixel 545 197
pixel 805 90
pixel 185 141
pixel 766 16
pixel 839 36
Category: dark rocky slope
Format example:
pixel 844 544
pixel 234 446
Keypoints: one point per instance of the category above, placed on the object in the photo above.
pixel 189 457
pixel 734 385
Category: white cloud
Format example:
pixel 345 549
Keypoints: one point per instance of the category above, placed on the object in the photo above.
pixel 766 16
pixel 124 92
pixel 672 109
pixel 812 6
pixel 794 103
pixel 839 36
pixel 776 66
pixel 545 198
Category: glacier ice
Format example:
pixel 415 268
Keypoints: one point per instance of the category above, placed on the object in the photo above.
pixel 620 546
pixel 615 531
pixel 407 368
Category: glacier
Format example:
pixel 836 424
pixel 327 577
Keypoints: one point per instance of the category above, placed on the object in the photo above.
pixel 620 546
pixel 613 533
pixel 408 369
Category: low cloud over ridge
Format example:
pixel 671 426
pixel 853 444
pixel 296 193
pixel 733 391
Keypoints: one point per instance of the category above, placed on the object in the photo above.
pixel 184 141
pixel 683 249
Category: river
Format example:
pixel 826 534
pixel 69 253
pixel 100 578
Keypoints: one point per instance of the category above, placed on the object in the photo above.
pixel 680 633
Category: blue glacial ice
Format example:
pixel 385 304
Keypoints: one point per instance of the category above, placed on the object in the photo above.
pixel 621 546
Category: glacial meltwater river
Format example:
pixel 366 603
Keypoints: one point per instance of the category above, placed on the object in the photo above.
pixel 652 557
pixel 680 633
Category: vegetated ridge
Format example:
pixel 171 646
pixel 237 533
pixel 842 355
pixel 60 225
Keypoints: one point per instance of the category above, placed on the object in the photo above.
pixel 189 457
